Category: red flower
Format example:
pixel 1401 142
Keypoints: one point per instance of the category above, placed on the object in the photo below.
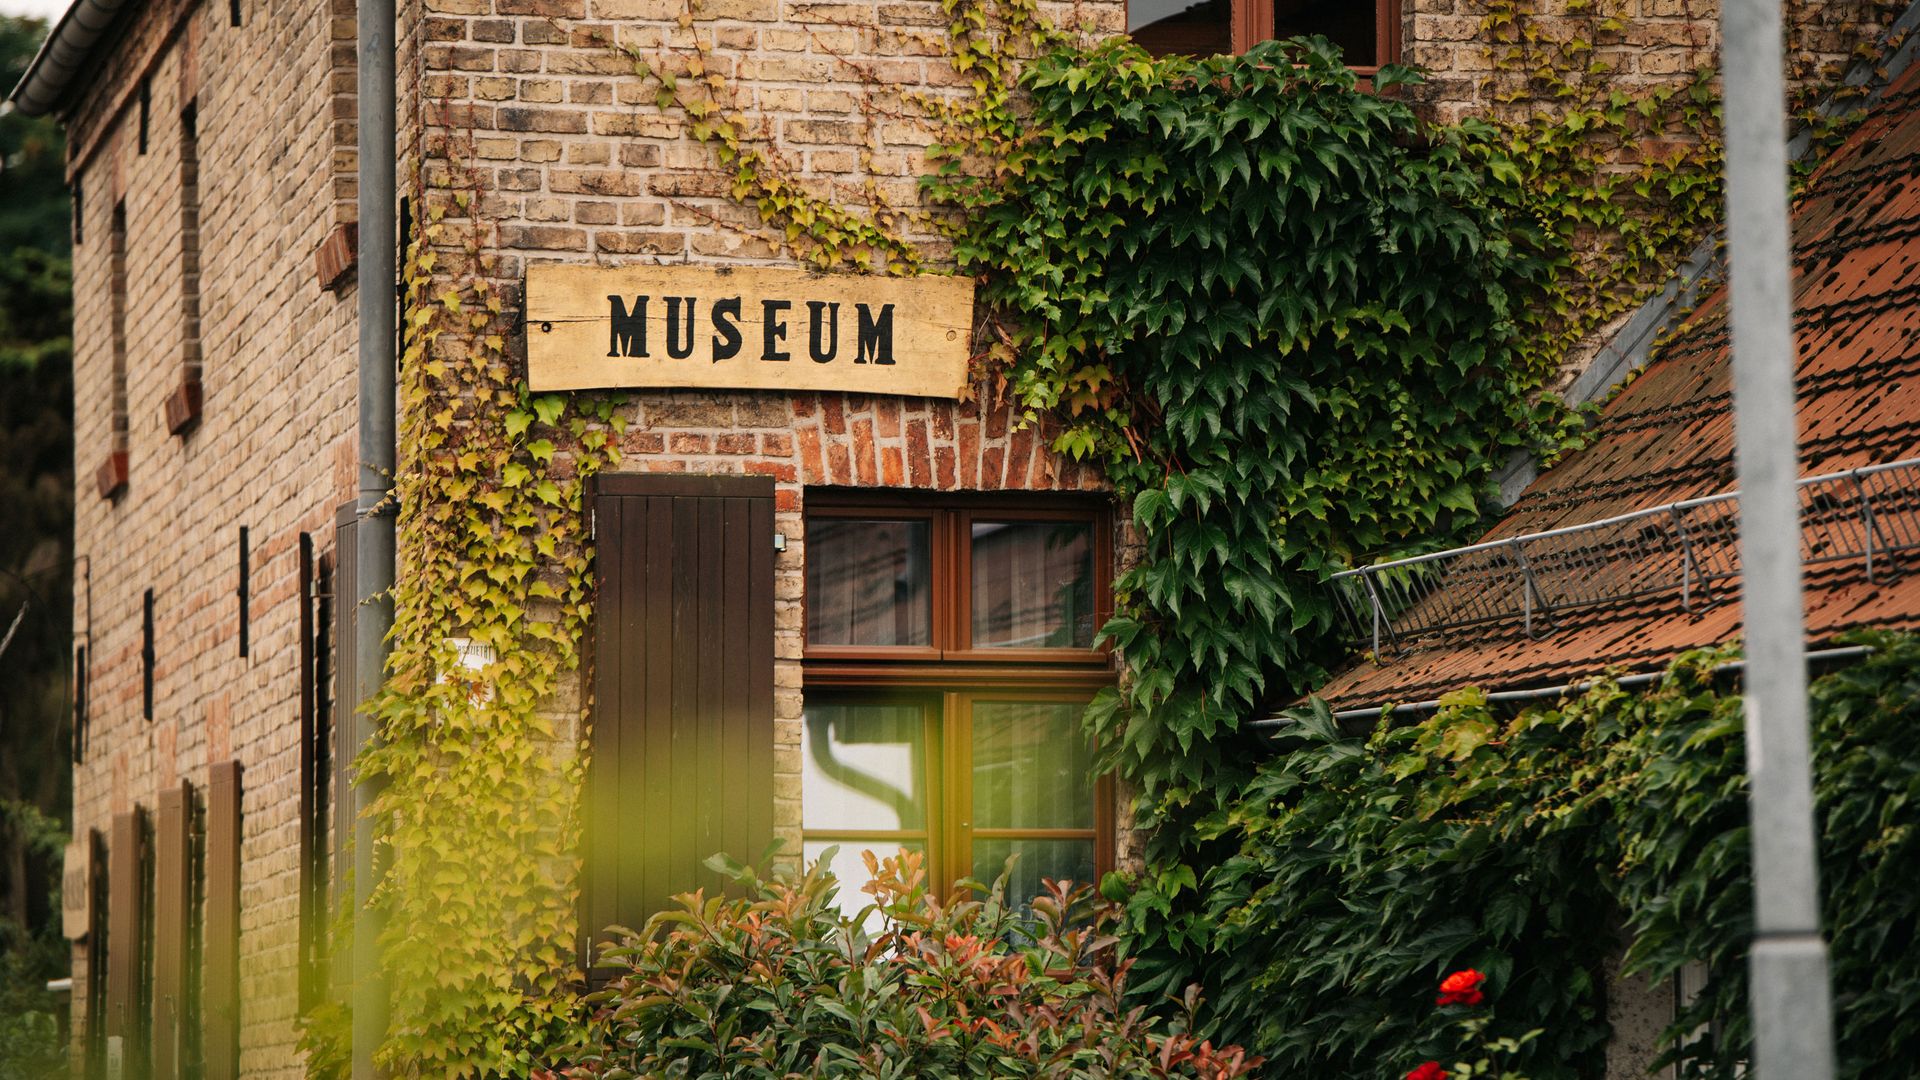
pixel 1428 1070
pixel 1461 988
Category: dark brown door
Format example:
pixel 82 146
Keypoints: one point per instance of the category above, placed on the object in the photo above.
pixel 682 765
pixel 173 989
pixel 129 944
pixel 221 967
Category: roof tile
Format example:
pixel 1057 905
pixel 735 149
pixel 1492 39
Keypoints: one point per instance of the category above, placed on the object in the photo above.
pixel 1668 436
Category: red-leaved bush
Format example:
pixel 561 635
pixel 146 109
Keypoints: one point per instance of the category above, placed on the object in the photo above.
pixel 780 983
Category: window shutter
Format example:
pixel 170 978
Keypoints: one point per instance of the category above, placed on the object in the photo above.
pixel 682 762
pixel 173 908
pixel 221 965
pixel 127 954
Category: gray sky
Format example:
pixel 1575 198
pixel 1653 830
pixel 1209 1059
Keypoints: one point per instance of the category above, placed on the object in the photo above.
pixel 46 9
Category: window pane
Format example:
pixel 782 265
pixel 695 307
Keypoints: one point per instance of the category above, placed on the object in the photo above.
pixel 863 767
pixel 851 869
pixel 1032 767
pixel 1033 584
pixel 1181 27
pixel 1062 860
pixel 1345 23
pixel 868 582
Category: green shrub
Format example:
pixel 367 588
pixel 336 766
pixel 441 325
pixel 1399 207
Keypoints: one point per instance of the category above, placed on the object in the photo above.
pixel 1532 846
pixel 780 983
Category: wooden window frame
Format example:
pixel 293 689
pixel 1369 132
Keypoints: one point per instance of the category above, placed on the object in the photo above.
pixel 1252 23
pixel 952 673
pixel 950 527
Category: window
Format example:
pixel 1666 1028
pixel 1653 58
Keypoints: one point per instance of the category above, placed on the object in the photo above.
pixel 147 656
pixel 1367 32
pixel 111 477
pixel 316 765
pixel 950 654
pixel 183 405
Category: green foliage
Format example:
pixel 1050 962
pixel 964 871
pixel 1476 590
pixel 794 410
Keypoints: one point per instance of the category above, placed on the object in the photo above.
pixel 1460 1002
pixel 30 1043
pixel 1282 313
pixel 1532 846
pixel 781 983
pixel 32 156
pixel 476 775
pixel 36 489
pixel 1684 879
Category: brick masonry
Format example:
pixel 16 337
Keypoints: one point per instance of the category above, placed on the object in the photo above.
pixel 574 164
pixel 1658 43
pixel 275 430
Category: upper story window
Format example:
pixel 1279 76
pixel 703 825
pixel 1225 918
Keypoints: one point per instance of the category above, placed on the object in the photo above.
pixel 986 583
pixel 1367 31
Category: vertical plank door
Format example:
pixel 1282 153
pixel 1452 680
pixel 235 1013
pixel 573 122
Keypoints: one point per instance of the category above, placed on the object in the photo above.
pixel 172 908
pixel 220 969
pixel 127 943
pixel 682 739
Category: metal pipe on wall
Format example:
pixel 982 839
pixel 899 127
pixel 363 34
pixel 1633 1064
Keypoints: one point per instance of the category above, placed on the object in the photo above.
pixel 1790 999
pixel 374 534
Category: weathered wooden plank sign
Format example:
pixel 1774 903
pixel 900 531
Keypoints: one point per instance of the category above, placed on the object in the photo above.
pixel 758 328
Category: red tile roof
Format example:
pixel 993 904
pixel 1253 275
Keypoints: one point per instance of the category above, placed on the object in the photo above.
pixel 1668 436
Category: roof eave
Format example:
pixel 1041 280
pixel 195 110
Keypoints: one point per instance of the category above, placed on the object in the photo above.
pixel 64 54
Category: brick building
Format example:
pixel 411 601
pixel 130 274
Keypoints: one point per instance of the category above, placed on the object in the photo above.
pixel 933 573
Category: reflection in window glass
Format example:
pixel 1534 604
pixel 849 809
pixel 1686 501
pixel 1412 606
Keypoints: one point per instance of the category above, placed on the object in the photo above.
pixel 1181 27
pixel 1349 25
pixel 863 767
pixel 1032 584
pixel 1205 27
pixel 851 870
pixel 868 582
pixel 1032 767
pixel 1061 860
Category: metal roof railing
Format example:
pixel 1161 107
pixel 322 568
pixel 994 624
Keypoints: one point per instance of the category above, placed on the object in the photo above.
pixel 1689 548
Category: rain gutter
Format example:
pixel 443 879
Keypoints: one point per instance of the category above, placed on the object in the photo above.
pixel 1731 667
pixel 64 55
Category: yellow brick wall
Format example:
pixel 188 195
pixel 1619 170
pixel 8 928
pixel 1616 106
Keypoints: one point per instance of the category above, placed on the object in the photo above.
pixel 269 452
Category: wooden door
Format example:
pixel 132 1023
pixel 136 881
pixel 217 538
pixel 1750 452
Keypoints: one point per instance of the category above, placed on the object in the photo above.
pixel 682 739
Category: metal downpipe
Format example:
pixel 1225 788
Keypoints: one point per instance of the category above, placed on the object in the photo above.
pixel 374 556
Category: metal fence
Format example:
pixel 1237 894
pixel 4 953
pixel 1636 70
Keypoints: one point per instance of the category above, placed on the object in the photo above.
pixel 1687 549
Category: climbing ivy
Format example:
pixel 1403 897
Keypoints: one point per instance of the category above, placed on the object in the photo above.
pixel 1282 313
pixel 476 767
pixel 1533 846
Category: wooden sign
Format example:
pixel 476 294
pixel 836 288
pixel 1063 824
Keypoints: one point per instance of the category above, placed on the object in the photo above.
pixel 76 891
pixel 756 328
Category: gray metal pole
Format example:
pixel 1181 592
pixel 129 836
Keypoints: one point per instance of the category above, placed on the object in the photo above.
pixel 1791 1003
pixel 373 567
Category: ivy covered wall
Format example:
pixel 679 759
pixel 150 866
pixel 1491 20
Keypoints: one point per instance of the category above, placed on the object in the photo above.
pixel 1291 323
